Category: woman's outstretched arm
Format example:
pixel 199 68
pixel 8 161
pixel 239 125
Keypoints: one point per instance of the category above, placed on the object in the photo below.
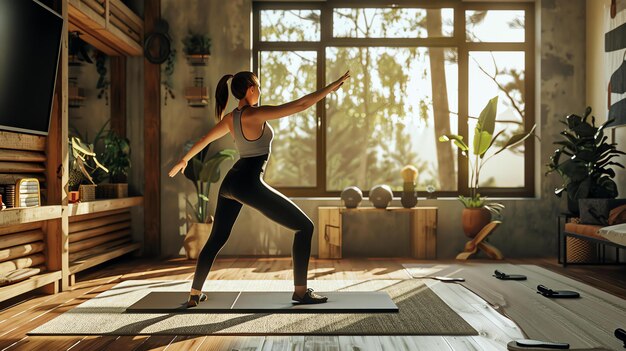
pixel 267 112
pixel 218 131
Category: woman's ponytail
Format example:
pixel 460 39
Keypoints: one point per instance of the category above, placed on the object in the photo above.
pixel 221 96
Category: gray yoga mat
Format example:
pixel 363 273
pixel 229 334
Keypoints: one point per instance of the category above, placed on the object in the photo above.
pixel 421 312
pixel 265 302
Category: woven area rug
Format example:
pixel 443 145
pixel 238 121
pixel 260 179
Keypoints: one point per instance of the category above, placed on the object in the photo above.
pixel 422 312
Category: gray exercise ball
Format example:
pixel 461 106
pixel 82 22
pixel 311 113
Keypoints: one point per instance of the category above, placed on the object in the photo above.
pixel 351 196
pixel 381 195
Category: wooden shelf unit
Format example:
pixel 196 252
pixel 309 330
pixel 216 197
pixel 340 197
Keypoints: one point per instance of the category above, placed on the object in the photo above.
pixel 49 281
pixel 423 229
pixel 108 25
pixel 83 208
pixel 31 244
pixel 19 215
pixel 99 231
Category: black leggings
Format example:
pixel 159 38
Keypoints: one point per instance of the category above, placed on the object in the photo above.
pixel 244 184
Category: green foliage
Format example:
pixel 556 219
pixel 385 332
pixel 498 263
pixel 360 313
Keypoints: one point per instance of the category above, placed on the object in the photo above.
pixel 116 156
pixel 586 172
pixel 80 169
pixel 202 170
pixel 483 140
pixel 103 83
pixel 195 43
pixel 166 77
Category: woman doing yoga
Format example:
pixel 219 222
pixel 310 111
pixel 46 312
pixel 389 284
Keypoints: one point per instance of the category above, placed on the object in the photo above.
pixel 244 184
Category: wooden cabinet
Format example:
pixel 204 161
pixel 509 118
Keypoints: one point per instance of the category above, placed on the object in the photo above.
pixel 423 229
pixel 108 25
pixel 58 238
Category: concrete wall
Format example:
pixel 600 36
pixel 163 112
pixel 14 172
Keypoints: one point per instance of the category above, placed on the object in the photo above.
pixel 528 229
pixel 596 80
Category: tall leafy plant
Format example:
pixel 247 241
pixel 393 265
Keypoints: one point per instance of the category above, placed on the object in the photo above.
pixel 116 156
pixel 586 171
pixel 484 138
pixel 204 169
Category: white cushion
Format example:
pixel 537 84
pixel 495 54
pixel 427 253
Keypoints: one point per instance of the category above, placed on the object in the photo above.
pixel 615 233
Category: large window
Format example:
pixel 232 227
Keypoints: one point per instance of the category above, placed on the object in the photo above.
pixel 418 71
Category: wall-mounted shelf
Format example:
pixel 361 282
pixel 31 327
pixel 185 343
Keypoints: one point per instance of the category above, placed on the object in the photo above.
pixel 108 25
pixel 32 283
pixel 84 208
pixel 15 216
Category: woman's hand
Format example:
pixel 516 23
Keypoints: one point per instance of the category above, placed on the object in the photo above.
pixel 179 167
pixel 339 82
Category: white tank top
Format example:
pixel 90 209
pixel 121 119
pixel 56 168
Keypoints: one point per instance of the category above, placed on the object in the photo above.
pixel 249 148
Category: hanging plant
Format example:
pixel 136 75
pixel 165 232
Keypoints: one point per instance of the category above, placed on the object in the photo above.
pixel 196 44
pixel 103 82
pixel 168 71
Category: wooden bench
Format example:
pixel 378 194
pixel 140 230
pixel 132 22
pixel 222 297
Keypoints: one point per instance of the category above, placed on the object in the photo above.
pixel 588 232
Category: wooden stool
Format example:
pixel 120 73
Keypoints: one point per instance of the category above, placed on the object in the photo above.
pixel 472 246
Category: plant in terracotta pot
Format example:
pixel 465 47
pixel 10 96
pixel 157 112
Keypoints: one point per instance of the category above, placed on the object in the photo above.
pixel 586 171
pixel 477 213
pixel 197 48
pixel 203 169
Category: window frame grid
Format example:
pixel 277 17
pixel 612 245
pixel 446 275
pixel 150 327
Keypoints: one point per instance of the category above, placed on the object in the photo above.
pixel 457 41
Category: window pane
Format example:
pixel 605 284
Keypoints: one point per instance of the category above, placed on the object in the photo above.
pixel 392 23
pixel 501 74
pixel 385 116
pixel 290 25
pixel 495 26
pixel 286 76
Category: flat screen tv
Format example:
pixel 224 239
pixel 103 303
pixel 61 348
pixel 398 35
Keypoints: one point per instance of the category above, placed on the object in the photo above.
pixel 30 42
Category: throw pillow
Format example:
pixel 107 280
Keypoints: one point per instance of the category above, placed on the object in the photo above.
pixel 617 215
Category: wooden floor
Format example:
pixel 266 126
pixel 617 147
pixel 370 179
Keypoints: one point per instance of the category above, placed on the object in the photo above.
pixel 19 316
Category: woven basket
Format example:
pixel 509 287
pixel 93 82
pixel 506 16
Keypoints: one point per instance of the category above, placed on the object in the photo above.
pixel 580 251
pixel 87 192
pixel 112 191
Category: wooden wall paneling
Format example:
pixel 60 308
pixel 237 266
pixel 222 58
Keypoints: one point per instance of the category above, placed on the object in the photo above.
pixel 22 262
pixel 56 230
pixel 99 222
pixel 75 219
pixel 118 94
pixel 21 250
pixel 19 141
pixel 97 240
pixel 21 238
pixel 91 233
pixel 152 140
pixel 22 227
pixel 21 156
pixel 100 248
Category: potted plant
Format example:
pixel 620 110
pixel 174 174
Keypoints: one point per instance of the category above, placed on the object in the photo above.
pixel 81 169
pixel 586 171
pixel 197 48
pixel 116 156
pixel 203 169
pixel 477 213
